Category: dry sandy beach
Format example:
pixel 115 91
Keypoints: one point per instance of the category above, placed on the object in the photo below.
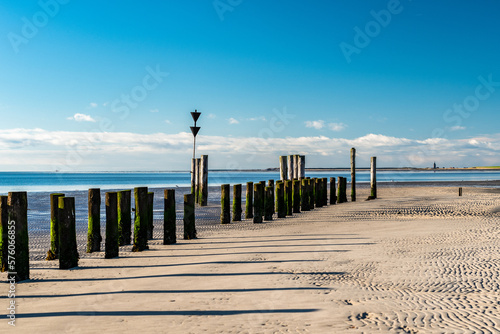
pixel 416 260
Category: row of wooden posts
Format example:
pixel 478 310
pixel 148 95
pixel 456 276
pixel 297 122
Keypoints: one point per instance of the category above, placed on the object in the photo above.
pixel 14 248
pixel 288 197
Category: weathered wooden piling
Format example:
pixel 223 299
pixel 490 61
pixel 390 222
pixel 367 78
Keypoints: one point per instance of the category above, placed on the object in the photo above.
pixel 204 180
pixel 270 183
pixel 189 217
pixel 249 201
pixel 353 174
pixel 296 196
pixel 317 193
pixel 124 217
pixel 225 209
pixel 290 167
pixel 53 252
pixel 151 197
pixel 68 252
pixel 460 191
pixel 324 191
pixel 258 202
pixel 193 175
pixel 237 203
pixel 280 198
pixel 333 192
pixel 17 203
pixel 169 217
pixel 111 247
pixel 295 166
pixel 4 233
pixel 94 237
pixel 141 219
pixel 197 180
pixel 289 197
pixel 304 195
pixel 301 159
pixel 312 193
pixel 283 168
pixel 342 190
pixel 269 204
pixel 373 178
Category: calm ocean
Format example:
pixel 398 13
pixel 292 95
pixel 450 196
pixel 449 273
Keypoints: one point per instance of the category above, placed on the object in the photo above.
pixel 54 182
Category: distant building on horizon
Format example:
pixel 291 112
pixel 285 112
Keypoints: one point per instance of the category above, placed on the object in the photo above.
pixel 435 167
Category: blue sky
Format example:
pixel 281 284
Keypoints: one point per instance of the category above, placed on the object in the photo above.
pixel 78 89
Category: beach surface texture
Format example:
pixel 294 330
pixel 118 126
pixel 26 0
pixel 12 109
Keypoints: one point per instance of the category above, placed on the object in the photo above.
pixel 416 260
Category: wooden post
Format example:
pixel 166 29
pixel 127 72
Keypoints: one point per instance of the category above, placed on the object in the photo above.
pixel 270 183
pixel 68 252
pixel 169 217
pixel 295 166
pixel 237 203
pixel 353 174
pixel 460 191
pixel 333 195
pixel 204 180
pixel 225 210
pixel 269 204
pixel 249 201
pixel 4 233
pixel 342 190
pixel 296 196
pixel 94 230
pixel 312 192
pixel 317 193
pixel 290 167
pixel 141 219
pixel 302 166
pixel 280 195
pixel 373 178
pixel 189 217
pixel 124 217
pixel 257 203
pixel 53 252
pixel 17 203
pixel 324 191
pixel 151 197
pixel 197 181
pixel 111 246
pixel 304 195
pixel 288 197
pixel 193 175
pixel 283 168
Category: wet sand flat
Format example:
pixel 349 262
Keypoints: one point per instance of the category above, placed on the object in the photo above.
pixel 416 260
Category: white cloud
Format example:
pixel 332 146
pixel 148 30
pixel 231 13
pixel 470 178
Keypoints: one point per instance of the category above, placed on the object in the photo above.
pixel 337 126
pixel 81 118
pixel 154 110
pixel 93 105
pixel 315 124
pixel 233 121
pixel 260 118
pixel 211 116
pixel 457 128
pixel 64 150
pixel 168 121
